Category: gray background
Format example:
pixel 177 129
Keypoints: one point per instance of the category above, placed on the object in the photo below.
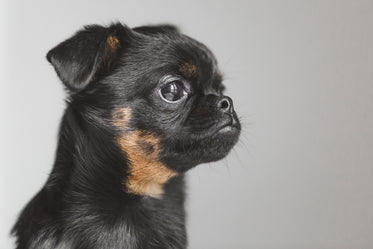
pixel 301 75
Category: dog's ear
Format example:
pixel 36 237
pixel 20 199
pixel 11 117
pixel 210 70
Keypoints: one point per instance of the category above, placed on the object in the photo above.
pixel 88 54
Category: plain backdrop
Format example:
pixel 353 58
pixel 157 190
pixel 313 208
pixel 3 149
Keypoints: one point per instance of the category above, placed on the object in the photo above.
pixel 301 76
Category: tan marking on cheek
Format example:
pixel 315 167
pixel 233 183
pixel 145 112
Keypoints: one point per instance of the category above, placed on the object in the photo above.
pixel 113 42
pixel 147 175
pixel 189 69
pixel 121 117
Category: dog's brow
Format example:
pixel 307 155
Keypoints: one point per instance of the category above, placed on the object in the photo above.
pixel 188 69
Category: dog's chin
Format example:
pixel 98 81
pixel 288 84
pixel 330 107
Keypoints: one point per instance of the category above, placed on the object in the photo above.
pixel 218 145
pixel 212 146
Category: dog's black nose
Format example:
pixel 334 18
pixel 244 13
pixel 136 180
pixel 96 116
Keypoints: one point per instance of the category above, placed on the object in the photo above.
pixel 225 104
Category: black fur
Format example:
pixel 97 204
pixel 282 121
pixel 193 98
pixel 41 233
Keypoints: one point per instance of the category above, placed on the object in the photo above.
pixel 85 202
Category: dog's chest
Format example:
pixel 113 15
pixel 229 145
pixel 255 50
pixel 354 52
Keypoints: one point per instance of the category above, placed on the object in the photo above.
pixel 148 224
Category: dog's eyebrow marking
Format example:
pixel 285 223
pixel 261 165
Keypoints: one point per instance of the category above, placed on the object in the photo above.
pixel 189 69
pixel 113 42
pixel 146 175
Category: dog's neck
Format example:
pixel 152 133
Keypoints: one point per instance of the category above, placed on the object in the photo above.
pixel 91 163
pixel 87 161
pixel 83 199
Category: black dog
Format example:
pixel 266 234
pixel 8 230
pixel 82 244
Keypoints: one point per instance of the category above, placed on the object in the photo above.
pixel 144 106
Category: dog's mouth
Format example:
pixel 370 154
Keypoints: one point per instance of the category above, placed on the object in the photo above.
pixel 229 125
pixel 206 142
pixel 228 129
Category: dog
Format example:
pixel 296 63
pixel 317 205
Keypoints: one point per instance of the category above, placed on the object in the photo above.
pixel 144 105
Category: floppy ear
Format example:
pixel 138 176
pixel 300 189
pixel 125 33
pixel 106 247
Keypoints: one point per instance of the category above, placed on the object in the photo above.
pixel 88 54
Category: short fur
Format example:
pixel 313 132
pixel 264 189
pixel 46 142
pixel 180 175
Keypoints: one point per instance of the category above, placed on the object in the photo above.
pixel 118 176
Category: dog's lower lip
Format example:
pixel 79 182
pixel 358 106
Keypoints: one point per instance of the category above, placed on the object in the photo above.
pixel 228 128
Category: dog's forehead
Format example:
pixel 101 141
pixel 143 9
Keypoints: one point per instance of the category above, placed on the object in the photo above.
pixel 152 58
pixel 189 58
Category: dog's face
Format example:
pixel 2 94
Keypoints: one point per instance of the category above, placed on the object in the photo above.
pixel 161 91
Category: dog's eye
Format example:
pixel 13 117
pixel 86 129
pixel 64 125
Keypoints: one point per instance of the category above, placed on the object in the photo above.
pixel 173 91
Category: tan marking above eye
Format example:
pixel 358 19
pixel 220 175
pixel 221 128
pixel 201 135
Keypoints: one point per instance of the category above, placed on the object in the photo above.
pixel 189 69
pixel 146 174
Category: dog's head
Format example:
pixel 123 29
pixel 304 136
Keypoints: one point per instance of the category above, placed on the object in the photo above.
pixel 158 90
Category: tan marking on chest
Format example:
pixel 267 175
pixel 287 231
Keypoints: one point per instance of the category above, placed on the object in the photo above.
pixel 147 175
